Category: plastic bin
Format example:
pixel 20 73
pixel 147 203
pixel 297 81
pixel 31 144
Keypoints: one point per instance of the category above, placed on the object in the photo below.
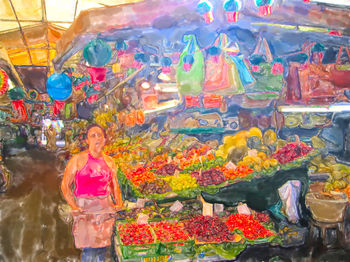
pixel 324 210
pixel 136 251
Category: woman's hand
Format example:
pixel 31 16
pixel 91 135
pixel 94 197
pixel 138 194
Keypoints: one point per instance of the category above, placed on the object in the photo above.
pixel 76 209
pixel 118 207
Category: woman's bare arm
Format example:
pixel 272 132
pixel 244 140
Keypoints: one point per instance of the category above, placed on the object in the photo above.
pixel 115 186
pixel 67 182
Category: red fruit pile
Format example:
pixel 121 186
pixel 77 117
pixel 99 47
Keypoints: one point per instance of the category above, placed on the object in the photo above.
pixel 167 169
pixel 291 151
pixel 169 232
pixel 212 176
pixel 135 234
pixel 208 229
pixel 261 217
pixel 250 228
pixel 140 175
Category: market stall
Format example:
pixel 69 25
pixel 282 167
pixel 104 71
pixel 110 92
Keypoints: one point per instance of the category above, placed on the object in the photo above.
pixel 227 121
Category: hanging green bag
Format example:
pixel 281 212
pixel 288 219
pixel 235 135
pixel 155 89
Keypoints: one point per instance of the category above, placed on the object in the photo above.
pixel 68 107
pixel 190 80
pixel 268 86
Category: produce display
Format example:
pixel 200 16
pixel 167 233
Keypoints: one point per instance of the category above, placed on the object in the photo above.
pixel 240 171
pixel 135 234
pixel 212 176
pixel 291 152
pixel 346 191
pixel 250 227
pixel 155 187
pixel 167 169
pixel 259 161
pixel 132 213
pixel 339 177
pixel 169 231
pixel 338 174
pixel 140 175
pixel 190 209
pixel 209 229
pixel 242 156
pixel 181 182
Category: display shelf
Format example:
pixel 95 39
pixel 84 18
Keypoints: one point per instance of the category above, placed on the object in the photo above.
pixel 200 130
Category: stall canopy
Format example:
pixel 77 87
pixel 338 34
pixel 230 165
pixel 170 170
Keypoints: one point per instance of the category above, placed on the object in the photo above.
pixel 29 30
pixel 129 21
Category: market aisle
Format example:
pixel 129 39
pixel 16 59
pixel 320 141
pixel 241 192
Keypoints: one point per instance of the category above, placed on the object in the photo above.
pixel 30 227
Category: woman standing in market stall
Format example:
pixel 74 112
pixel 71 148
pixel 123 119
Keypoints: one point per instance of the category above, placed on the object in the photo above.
pixel 95 198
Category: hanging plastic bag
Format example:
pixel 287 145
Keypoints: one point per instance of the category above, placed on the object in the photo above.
pixel 97 74
pixel 340 74
pixel 244 74
pixel 190 72
pixel 221 75
pixel 68 110
pixel 314 81
pixel 268 85
pixel 84 110
pixel 289 194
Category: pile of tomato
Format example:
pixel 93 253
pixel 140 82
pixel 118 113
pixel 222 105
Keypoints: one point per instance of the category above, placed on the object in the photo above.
pixel 250 227
pixel 169 232
pixel 233 173
pixel 135 234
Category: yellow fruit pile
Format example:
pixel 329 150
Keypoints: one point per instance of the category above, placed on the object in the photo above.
pixel 239 140
pixel 181 182
pixel 103 118
pixel 231 141
pixel 259 162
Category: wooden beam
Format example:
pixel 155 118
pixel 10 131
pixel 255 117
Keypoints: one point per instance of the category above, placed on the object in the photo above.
pixel 22 33
pixel 43 8
pixel 75 9
pixel 32 20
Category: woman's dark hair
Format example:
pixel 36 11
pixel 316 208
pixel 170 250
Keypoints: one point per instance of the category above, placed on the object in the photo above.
pixel 92 126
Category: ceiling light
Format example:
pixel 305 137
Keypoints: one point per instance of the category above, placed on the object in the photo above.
pixel 295 109
pixel 315 109
pixel 163 106
pixel 145 85
pixel 164 77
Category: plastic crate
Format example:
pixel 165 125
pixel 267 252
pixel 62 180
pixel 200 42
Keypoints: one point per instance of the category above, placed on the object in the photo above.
pixel 177 248
pixel 156 258
pixel 294 236
pixel 183 247
pixel 136 251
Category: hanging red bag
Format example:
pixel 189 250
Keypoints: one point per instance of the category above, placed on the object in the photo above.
pixel 221 76
pixel 340 74
pixel 315 84
pixel 97 74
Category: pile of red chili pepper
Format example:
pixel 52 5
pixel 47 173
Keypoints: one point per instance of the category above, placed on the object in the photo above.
pixel 169 232
pixel 135 234
pixel 239 171
pixel 139 175
pixel 250 228
pixel 208 229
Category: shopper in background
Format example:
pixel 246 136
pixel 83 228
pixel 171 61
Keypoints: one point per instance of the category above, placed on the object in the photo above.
pixel 95 198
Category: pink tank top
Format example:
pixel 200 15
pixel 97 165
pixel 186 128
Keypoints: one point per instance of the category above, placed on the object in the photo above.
pixel 94 179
